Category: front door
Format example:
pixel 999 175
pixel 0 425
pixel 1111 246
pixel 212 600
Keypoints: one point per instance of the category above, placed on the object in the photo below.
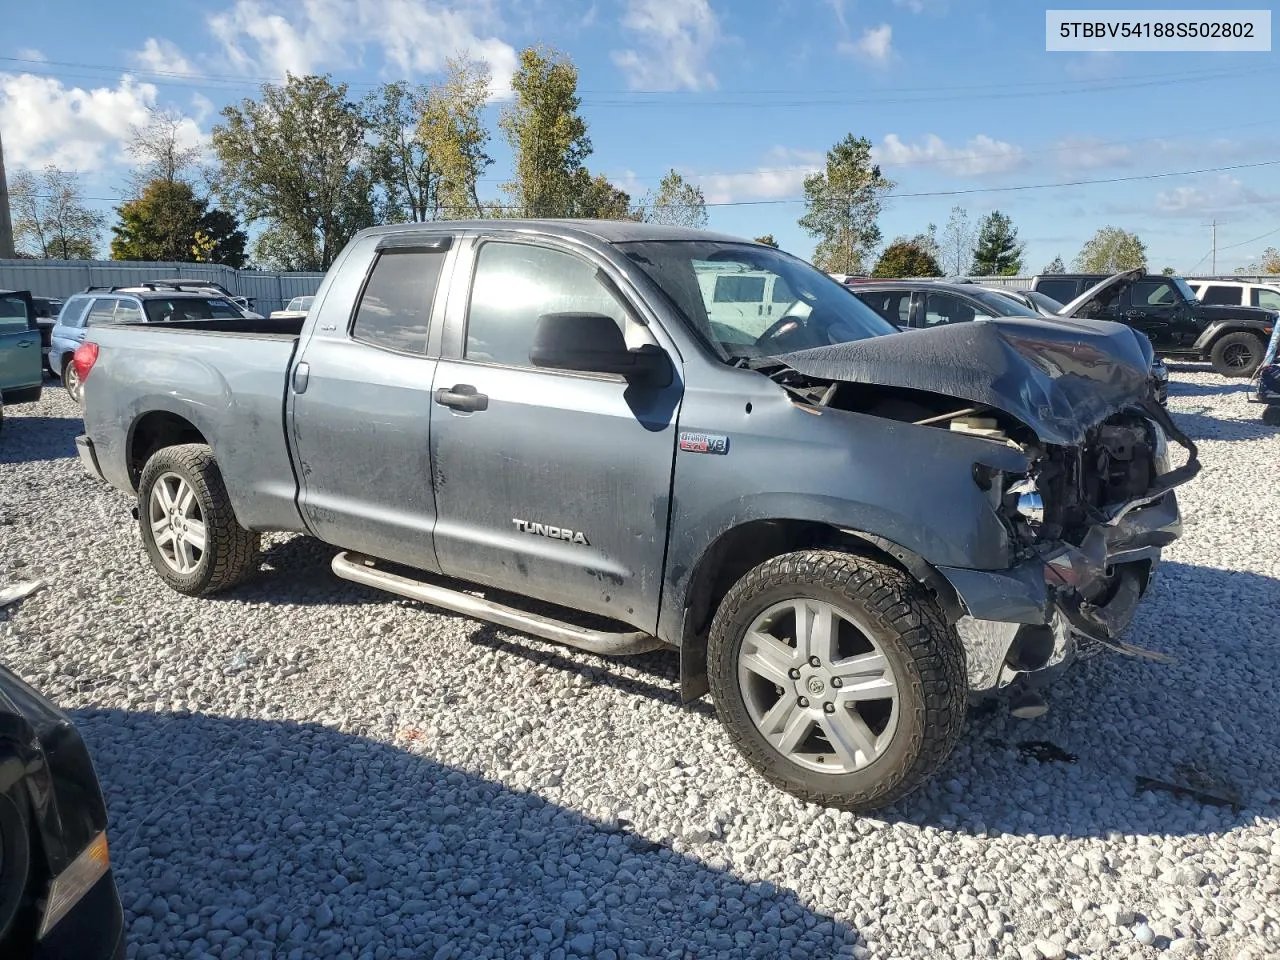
pixel 361 416
pixel 549 484
pixel 21 371
pixel 1156 309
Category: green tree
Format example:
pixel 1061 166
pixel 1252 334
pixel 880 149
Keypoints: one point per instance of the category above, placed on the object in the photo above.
pixel 50 220
pixel 1055 266
pixel 768 241
pixel 399 160
pixel 906 258
pixel 957 242
pixel 1270 263
pixel 1111 250
pixel 842 206
pixel 169 222
pixel 452 131
pixel 677 202
pixel 296 159
pixel 547 135
pixel 1168 271
pixel 997 252
pixel 597 198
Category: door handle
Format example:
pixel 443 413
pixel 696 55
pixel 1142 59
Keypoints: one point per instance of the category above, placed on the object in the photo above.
pixel 23 344
pixel 462 396
pixel 301 377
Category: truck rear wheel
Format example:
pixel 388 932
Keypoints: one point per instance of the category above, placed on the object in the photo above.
pixel 1236 354
pixel 837 677
pixel 187 523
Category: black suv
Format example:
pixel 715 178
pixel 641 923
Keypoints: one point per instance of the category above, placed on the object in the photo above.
pixel 1233 339
pixel 910 304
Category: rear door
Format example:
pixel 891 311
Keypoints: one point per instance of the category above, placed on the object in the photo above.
pixel 551 484
pixel 360 395
pixel 20 357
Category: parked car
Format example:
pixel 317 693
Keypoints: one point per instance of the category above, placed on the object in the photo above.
pixel 1237 293
pixel 21 375
pixel 1267 384
pixel 145 304
pixel 1167 311
pixel 920 304
pixel 547 413
pixel 58 898
pixel 295 309
pixel 246 304
pixel 1045 306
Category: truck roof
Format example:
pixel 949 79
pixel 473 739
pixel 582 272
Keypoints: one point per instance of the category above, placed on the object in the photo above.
pixel 610 231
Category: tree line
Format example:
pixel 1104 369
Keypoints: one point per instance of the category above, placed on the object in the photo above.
pixel 307 166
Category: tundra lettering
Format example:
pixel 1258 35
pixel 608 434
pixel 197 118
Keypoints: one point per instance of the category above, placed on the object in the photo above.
pixel 555 533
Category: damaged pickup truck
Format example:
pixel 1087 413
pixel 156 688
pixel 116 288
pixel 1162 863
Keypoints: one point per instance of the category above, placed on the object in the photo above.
pixel 575 429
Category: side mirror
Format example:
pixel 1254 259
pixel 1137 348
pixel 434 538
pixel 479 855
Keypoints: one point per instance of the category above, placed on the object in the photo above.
pixel 592 343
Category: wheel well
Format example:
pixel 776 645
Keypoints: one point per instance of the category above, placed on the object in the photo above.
pixel 726 561
pixel 153 432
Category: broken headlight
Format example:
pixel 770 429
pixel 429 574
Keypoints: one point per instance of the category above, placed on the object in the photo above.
pixel 1025 500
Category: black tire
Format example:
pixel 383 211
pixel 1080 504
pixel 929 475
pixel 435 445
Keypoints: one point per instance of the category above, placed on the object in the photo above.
pixel 230 553
pixel 1236 354
pixel 71 382
pixel 925 653
pixel 15 868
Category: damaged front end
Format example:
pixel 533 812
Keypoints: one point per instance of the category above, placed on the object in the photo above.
pixel 1086 520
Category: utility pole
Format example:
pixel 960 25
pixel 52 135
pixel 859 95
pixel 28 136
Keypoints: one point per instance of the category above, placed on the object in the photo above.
pixel 6 224
pixel 1213 263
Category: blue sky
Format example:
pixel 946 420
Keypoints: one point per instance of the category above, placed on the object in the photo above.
pixel 741 97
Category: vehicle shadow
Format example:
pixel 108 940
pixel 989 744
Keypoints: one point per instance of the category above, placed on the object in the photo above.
pixel 1181 388
pixel 1208 718
pixel 1198 426
pixel 26 439
pixel 298 840
pixel 296 569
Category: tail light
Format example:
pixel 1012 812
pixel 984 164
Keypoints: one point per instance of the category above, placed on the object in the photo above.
pixel 86 356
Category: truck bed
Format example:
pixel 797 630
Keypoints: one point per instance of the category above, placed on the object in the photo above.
pixel 224 378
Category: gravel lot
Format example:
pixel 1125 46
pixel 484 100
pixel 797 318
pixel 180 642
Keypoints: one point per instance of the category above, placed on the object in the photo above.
pixel 305 768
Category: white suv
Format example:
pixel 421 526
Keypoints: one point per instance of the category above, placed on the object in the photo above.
pixel 1237 293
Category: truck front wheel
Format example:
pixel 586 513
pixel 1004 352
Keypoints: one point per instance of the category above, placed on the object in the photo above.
pixel 837 677
pixel 187 524
pixel 1236 354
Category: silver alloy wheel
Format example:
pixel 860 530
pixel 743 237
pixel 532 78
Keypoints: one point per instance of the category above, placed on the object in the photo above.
pixel 177 523
pixel 71 380
pixel 817 686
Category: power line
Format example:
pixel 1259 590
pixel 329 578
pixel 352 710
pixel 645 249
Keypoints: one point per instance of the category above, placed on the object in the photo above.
pixel 942 193
pixel 748 98
pixel 1245 243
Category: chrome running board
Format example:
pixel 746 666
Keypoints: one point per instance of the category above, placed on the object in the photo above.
pixel 361 569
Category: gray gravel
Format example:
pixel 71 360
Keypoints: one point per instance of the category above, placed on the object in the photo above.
pixel 308 769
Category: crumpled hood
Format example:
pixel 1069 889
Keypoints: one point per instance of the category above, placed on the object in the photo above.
pixel 1059 377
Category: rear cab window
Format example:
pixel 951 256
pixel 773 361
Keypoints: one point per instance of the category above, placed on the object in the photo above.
pixel 394 312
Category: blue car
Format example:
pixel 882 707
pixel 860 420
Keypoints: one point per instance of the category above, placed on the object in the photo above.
pixel 20 373
pixel 1267 380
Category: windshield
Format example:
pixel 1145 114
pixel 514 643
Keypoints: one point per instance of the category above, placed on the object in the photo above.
pixel 1184 289
pixel 163 310
pixel 748 301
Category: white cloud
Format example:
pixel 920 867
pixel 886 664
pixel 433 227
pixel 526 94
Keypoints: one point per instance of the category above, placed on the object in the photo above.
pixel 30 53
pixel 163 56
pixel 981 156
pixel 785 178
pixel 70 127
pixel 1089 153
pixel 875 45
pixel 915 6
pixel 1222 193
pixel 674 38
pixel 415 36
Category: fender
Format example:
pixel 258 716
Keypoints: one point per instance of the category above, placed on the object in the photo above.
pixel 1220 328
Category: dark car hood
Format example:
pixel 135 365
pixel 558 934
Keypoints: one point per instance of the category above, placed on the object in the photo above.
pixel 1059 377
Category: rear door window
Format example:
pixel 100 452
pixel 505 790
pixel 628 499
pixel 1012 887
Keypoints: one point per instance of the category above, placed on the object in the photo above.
pixel 1269 299
pixel 1228 296
pixel 13 313
pixel 395 307
pixel 102 311
pixel 942 308
pixel 893 305
pixel 1154 293
pixel 128 311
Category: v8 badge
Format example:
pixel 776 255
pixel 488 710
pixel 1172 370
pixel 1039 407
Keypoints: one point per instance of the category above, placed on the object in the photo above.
pixel 704 442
